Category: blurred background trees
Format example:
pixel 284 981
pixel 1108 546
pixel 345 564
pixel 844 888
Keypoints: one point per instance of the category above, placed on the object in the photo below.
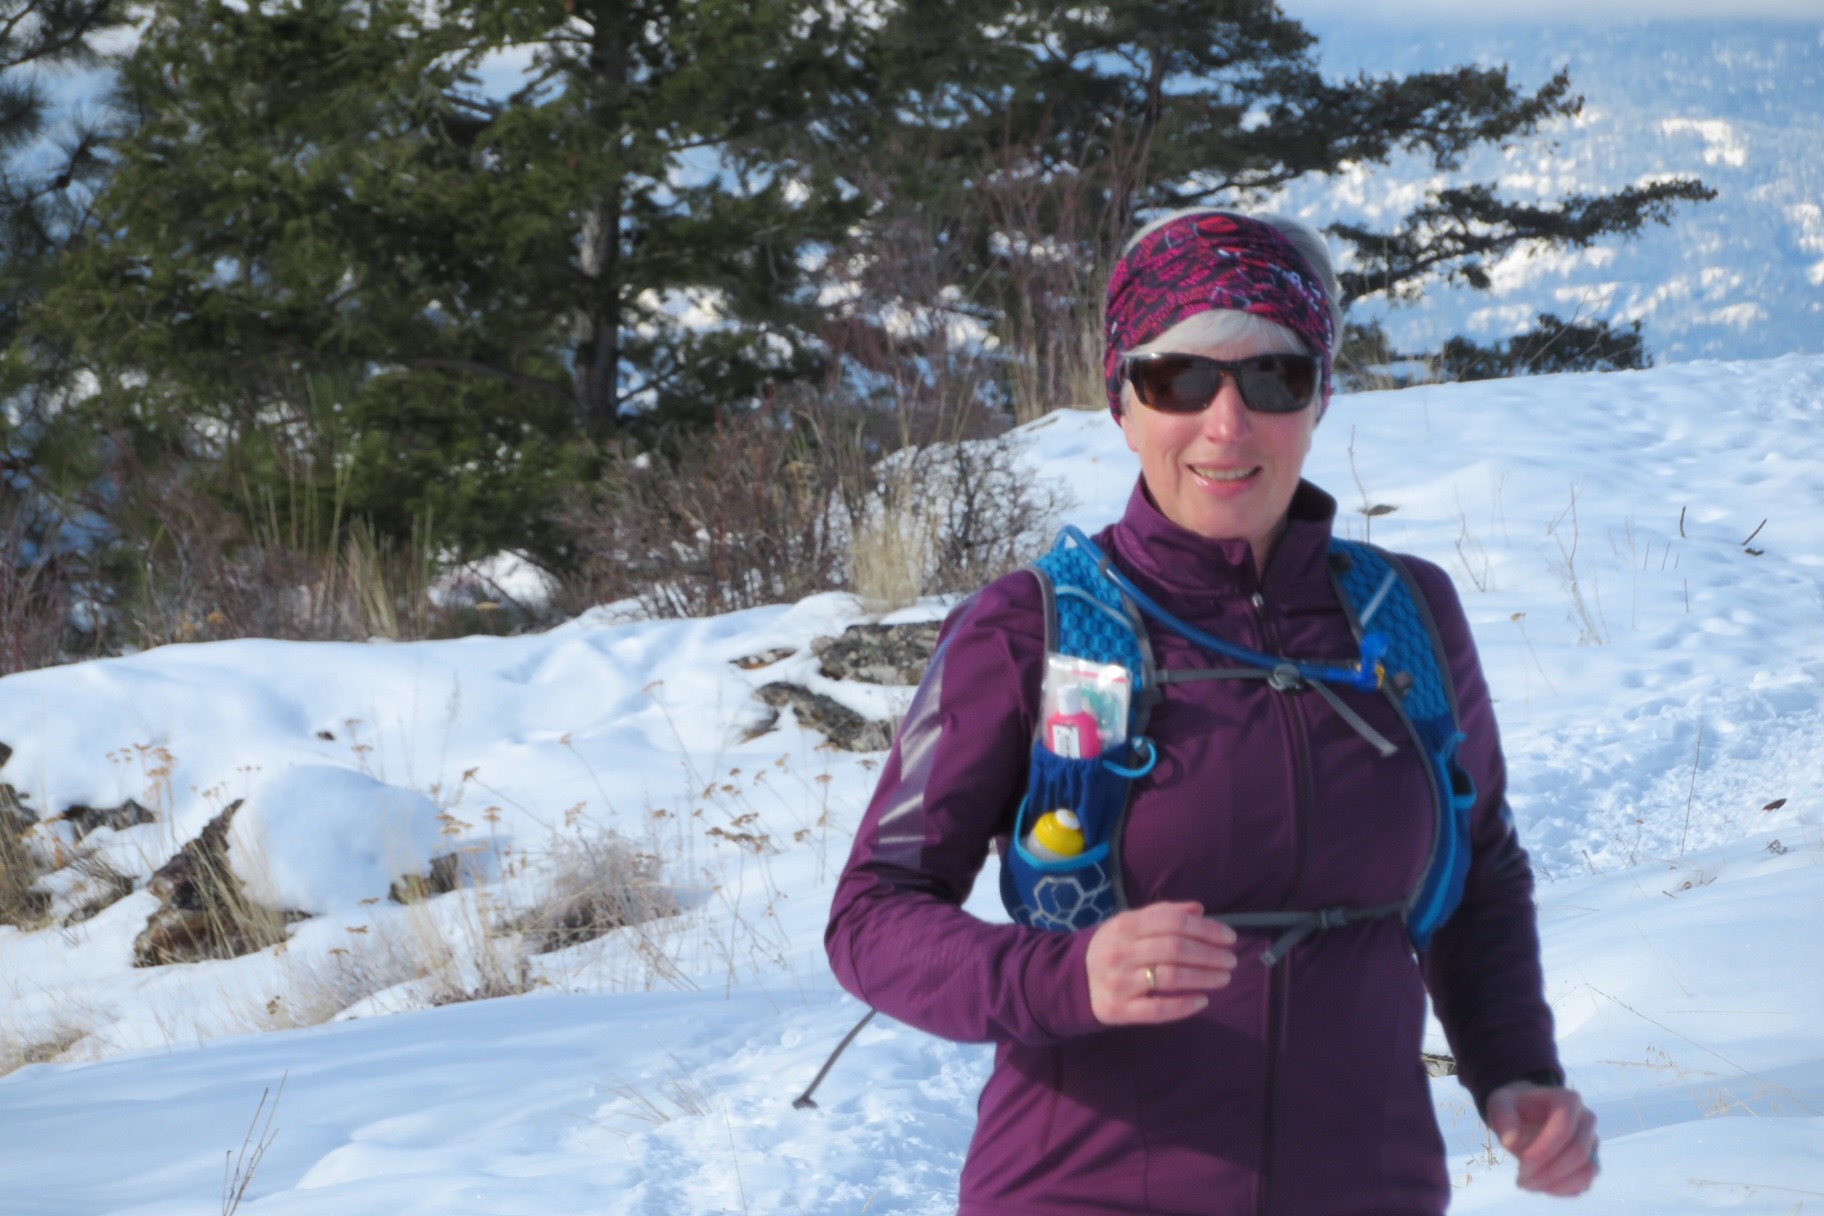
pixel 350 290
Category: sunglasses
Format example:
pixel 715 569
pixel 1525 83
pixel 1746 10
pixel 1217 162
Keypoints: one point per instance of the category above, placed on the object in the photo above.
pixel 1186 384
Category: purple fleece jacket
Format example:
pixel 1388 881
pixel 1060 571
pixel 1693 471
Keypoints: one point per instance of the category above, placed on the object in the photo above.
pixel 1299 1091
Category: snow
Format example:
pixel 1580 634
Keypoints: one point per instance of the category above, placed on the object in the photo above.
pixel 1728 99
pixel 1640 557
pixel 320 837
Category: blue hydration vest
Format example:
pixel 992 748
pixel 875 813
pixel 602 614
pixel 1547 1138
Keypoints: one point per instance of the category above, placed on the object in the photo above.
pixel 1094 612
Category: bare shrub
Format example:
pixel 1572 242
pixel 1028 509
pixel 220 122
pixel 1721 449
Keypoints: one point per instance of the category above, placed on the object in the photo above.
pixel 922 497
pixel 42 581
pixel 948 518
pixel 599 884
pixel 913 434
pixel 205 570
pixel 713 522
pixel 1059 229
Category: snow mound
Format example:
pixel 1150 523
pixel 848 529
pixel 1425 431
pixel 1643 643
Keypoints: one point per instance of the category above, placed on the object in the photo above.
pixel 321 838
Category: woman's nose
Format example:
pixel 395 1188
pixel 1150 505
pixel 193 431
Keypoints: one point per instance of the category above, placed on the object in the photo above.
pixel 1227 415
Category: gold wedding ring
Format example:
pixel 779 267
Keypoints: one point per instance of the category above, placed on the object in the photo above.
pixel 1152 979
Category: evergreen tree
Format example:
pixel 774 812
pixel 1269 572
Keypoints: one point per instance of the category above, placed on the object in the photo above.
pixel 47 169
pixel 403 252
pixel 51 163
pixel 1087 118
pixel 1552 345
pixel 332 243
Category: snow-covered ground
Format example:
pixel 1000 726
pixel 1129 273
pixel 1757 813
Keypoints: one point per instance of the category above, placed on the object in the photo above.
pixel 1641 556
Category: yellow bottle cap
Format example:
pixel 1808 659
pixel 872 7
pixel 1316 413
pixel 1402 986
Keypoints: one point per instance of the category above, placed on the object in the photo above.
pixel 1060 832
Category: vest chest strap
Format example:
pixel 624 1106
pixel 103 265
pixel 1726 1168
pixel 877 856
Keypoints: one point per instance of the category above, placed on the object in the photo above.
pixel 1300 925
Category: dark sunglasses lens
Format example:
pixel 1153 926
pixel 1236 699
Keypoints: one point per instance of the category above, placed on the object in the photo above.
pixel 1277 384
pixel 1186 384
pixel 1176 384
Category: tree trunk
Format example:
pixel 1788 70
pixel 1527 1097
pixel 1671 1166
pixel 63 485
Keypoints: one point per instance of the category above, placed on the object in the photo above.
pixel 598 365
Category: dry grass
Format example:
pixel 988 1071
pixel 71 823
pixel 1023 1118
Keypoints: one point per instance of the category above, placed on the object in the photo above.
pixel 323 988
pixel 599 884
pixel 210 571
pixel 948 518
pixel 20 904
pixel 44 1045
pixel 239 1167
pixel 674 1096
pixel 892 549
pixel 100 886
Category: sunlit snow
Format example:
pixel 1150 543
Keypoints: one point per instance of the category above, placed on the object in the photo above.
pixel 1640 555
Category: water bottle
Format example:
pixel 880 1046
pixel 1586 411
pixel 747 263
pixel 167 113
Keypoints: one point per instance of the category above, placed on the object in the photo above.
pixel 1056 836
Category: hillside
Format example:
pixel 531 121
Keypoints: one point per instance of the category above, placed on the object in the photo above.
pixel 1638 553
pixel 1735 103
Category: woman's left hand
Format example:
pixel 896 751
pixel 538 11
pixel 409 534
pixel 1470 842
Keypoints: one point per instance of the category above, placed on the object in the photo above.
pixel 1154 964
pixel 1550 1132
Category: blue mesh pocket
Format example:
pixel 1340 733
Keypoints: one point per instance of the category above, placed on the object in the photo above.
pixel 1073 892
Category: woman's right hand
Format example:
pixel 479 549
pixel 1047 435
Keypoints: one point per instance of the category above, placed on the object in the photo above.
pixel 1153 964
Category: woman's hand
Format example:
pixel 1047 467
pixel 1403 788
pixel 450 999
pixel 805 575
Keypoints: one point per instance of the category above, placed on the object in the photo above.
pixel 1550 1133
pixel 1153 964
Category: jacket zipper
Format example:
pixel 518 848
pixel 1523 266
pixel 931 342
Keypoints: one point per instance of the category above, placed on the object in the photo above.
pixel 1277 993
pixel 1276 1008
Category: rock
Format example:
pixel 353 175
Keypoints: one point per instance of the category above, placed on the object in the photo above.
pixel 6 753
pixel 766 658
pixel 202 912
pixel 445 876
pixel 878 654
pixel 840 724
pixel 86 819
pixel 763 724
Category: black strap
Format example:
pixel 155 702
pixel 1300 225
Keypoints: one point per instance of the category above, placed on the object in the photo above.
pixel 1285 678
pixel 1300 925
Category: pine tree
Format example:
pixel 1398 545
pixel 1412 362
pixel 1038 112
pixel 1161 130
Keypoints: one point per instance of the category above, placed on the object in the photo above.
pixel 1088 118
pixel 48 168
pixel 334 237
pixel 51 163
pixel 404 252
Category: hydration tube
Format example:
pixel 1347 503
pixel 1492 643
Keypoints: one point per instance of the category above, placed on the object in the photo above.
pixel 1368 674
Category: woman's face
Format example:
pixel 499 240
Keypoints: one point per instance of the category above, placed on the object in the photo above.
pixel 1227 473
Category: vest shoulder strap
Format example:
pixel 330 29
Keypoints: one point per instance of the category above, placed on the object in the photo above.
pixel 1086 615
pixel 1380 594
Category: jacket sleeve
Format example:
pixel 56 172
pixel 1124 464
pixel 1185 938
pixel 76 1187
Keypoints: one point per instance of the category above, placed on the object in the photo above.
pixel 1483 968
pixel 898 937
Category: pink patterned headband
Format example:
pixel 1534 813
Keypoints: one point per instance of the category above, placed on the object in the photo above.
pixel 1207 261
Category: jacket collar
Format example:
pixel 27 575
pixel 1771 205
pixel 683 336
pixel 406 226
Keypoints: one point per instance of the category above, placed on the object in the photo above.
pixel 1183 564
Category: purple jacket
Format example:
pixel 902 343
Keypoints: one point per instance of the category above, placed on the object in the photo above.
pixel 1299 1091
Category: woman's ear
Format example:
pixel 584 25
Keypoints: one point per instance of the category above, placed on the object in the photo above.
pixel 1126 419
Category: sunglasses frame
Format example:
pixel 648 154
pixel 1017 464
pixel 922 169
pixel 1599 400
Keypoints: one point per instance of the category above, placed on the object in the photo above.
pixel 1260 373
